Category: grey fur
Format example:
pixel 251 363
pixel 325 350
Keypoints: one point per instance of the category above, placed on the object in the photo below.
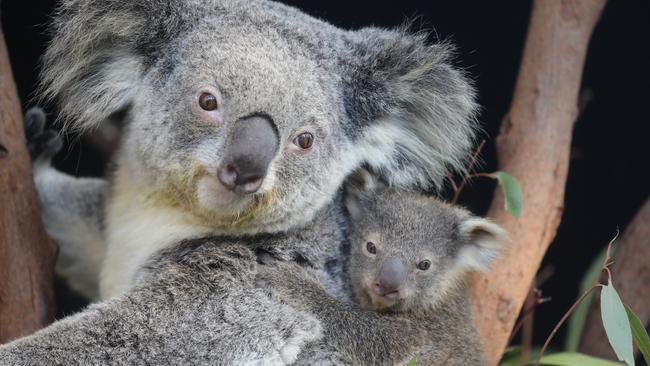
pixel 189 313
pixel 72 210
pixel 384 98
pixel 194 303
pixel 432 317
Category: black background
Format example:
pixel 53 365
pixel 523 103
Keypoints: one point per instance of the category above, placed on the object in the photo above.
pixel 609 175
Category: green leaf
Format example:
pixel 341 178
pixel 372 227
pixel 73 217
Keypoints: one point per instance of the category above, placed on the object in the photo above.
pixel 413 362
pixel 640 334
pixel 616 323
pixel 512 191
pixel 575 359
pixel 578 318
pixel 511 357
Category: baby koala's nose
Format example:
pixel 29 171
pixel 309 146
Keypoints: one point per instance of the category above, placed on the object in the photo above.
pixel 392 276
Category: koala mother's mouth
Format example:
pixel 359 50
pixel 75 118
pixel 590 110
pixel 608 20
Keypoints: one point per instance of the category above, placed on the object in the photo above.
pixel 212 195
pixel 203 195
pixel 221 206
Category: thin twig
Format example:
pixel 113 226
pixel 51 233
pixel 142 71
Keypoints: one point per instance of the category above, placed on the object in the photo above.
pixel 452 182
pixel 564 318
pixel 608 256
pixel 467 177
pixel 609 275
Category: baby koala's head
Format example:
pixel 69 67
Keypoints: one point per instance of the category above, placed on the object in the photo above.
pixel 408 250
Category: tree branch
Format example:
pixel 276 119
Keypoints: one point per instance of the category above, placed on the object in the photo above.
pixel 631 277
pixel 533 146
pixel 27 255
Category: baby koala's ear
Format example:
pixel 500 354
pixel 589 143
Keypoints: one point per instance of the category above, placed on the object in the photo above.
pixel 359 188
pixel 483 241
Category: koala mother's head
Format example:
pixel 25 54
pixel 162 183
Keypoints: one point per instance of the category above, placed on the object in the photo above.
pixel 250 114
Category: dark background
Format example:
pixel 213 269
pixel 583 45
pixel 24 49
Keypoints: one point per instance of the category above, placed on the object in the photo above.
pixel 609 175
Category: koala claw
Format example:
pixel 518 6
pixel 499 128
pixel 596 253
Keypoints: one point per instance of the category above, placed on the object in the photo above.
pixel 34 122
pixel 42 144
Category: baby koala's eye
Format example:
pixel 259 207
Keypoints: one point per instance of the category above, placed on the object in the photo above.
pixel 304 140
pixel 371 248
pixel 424 265
pixel 208 102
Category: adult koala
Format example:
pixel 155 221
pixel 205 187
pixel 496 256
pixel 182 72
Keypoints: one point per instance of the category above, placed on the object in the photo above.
pixel 243 119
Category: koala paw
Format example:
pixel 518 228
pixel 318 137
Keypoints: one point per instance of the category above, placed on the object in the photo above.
pixel 42 144
pixel 290 284
pixel 290 351
pixel 266 283
pixel 309 330
pixel 271 277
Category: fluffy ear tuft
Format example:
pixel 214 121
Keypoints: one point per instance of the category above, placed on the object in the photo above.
pixel 360 187
pixel 100 52
pixel 415 112
pixel 484 241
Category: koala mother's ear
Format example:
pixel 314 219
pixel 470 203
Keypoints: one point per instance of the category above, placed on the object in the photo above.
pixel 414 112
pixel 483 241
pixel 100 52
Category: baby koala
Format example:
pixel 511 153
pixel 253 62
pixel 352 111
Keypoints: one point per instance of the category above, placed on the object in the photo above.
pixel 408 261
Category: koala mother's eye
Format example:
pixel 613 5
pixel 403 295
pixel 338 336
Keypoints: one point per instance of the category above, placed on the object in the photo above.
pixel 208 102
pixel 304 141
pixel 371 247
pixel 424 265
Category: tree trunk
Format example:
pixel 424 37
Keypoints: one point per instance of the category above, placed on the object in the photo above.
pixel 27 255
pixel 533 146
pixel 631 278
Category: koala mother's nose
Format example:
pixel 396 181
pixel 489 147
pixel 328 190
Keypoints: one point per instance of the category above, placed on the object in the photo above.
pixel 249 151
pixel 392 276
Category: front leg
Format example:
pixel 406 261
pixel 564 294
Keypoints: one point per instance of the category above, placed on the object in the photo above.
pixel 71 209
pixel 361 337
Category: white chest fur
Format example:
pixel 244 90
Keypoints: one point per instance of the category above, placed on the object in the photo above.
pixel 135 230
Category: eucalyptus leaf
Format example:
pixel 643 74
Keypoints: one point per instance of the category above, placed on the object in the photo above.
pixel 575 359
pixel 514 198
pixel 413 362
pixel 640 334
pixel 617 324
pixel 511 357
